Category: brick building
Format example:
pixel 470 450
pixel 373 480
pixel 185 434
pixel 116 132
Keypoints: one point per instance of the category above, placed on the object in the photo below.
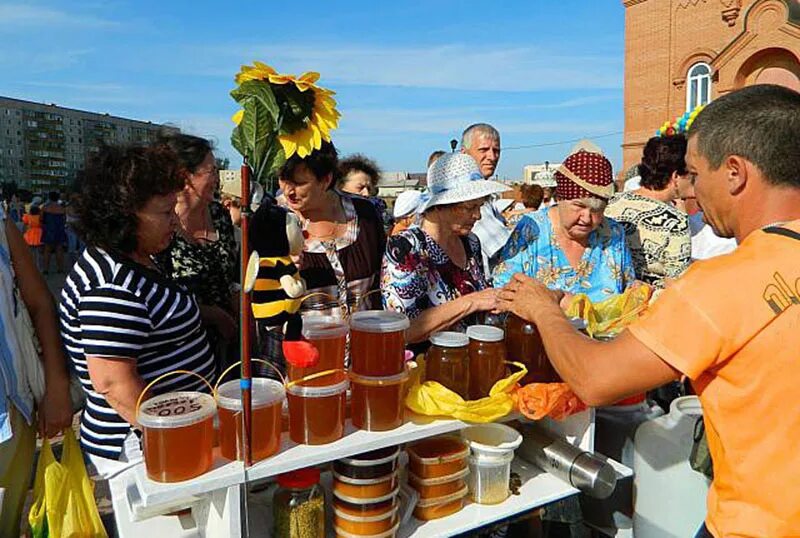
pixel 681 53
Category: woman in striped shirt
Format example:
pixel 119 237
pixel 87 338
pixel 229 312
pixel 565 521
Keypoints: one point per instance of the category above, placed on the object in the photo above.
pixel 124 323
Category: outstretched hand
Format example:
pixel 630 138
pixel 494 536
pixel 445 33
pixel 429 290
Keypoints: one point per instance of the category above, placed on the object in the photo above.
pixel 525 296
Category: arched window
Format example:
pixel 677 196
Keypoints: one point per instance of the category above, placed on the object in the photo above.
pixel 698 86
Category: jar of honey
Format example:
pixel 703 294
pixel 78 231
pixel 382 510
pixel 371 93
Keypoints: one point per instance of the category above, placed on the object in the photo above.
pixel 487 359
pixel 317 414
pixel 176 425
pixel 436 457
pixel 329 335
pixel 377 342
pixel 377 403
pixel 524 344
pixel 267 400
pixel 447 361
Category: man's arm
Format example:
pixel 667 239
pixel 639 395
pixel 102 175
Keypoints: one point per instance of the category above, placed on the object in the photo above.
pixel 600 373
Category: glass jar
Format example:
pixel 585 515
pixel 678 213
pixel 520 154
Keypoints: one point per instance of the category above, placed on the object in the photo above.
pixel 487 359
pixel 524 344
pixel 298 507
pixel 447 361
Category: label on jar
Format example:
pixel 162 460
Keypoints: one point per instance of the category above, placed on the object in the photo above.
pixel 174 406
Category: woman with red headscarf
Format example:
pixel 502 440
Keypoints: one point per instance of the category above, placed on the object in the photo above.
pixel 571 246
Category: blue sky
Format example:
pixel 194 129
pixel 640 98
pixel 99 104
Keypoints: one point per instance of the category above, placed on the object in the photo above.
pixel 409 75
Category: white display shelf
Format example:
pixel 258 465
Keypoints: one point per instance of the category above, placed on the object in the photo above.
pixel 291 456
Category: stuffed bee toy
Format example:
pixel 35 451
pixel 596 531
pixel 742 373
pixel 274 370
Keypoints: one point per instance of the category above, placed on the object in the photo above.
pixel 275 236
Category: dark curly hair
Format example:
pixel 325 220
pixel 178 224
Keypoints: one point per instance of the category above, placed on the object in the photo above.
pixel 321 162
pixel 118 182
pixel 190 150
pixel 359 163
pixel 661 158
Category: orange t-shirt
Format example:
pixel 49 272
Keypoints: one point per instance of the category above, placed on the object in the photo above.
pixel 732 324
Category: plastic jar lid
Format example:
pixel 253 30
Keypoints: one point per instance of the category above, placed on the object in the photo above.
pixel 414 479
pixel 265 392
pixel 364 481
pixel 491 461
pixel 425 451
pixel 376 457
pixel 176 409
pixel 449 339
pixel 391 532
pixel 366 519
pixel 492 439
pixel 436 501
pixel 322 327
pixel 355 500
pixel 485 333
pixel 299 479
pixel 379 321
pixel 372 509
pixel 318 392
pixel 379 381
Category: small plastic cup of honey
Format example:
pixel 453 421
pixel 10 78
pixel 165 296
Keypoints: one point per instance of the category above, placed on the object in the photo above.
pixel 377 342
pixel 329 336
pixel 317 414
pixel 377 403
pixel 267 400
pixel 178 435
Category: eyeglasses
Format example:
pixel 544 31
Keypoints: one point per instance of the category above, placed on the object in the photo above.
pixel 469 209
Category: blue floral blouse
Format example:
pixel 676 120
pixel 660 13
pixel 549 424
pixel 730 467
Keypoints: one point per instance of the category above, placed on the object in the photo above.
pixel 605 269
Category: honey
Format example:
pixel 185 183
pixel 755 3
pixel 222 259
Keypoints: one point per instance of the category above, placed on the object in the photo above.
pixel 524 344
pixel 437 456
pixel 373 464
pixel 317 414
pixel 428 509
pixel 267 399
pixel 368 488
pixel 174 425
pixel 365 526
pixel 447 362
pixel 329 336
pixel 431 488
pixel 377 343
pixel 377 403
pixel 487 356
pixel 375 509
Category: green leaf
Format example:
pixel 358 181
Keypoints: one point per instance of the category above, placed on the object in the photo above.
pixel 257 89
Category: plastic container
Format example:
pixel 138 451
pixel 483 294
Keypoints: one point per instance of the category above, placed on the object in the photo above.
pixel 377 343
pixel 174 425
pixel 391 496
pixel 377 403
pixel 329 335
pixel 373 464
pixel 524 344
pixel 431 488
pixel 364 509
pixel 447 361
pixel 670 496
pixel 491 440
pixel 437 456
pixel 267 400
pixel 317 414
pixel 365 488
pixel 488 478
pixel 440 507
pixel 298 506
pixel 365 525
pixel 487 359
pixel 341 533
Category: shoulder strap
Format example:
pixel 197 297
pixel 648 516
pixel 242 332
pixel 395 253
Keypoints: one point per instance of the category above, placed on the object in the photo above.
pixel 786 232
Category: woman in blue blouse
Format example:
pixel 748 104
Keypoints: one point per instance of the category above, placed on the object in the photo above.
pixel 571 247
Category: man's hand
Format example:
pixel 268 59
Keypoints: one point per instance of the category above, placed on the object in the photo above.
pixel 525 297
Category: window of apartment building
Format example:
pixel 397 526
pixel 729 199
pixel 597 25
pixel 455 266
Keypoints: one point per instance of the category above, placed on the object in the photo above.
pixel 698 86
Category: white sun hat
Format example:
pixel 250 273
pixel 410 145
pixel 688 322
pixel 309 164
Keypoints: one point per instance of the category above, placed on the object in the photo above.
pixel 501 204
pixel 406 203
pixel 455 178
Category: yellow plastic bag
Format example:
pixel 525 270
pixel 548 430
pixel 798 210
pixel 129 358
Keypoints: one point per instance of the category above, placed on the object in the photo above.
pixel 433 399
pixel 63 496
pixel 609 317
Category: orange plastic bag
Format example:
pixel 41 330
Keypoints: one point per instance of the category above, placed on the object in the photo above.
pixel 554 400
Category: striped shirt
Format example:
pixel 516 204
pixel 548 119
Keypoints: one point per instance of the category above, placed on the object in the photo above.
pixel 113 307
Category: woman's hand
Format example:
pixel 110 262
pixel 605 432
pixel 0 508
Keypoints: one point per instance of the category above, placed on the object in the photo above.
pixel 483 301
pixel 55 409
pixel 525 297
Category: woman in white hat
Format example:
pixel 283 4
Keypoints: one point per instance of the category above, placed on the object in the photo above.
pixel 405 210
pixel 432 271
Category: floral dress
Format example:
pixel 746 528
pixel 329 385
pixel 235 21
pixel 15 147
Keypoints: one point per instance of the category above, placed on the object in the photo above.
pixel 418 274
pixel 605 268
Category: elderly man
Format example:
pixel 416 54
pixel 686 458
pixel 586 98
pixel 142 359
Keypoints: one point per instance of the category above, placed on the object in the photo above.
pixel 729 324
pixel 481 141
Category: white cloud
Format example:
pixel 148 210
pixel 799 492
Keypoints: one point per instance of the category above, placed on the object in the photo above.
pixel 22 16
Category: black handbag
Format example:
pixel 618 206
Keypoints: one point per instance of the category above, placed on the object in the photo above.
pixel 700 457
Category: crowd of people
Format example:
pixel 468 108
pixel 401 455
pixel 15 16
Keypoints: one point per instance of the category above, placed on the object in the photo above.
pixel 155 286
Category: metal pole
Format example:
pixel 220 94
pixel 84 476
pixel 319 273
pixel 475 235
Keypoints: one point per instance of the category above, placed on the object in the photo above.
pixel 244 320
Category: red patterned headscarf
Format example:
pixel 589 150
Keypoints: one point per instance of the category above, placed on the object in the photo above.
pixel 584 174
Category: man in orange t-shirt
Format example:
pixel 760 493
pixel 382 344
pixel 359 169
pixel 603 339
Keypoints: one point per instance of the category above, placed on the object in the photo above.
pixel 731 324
